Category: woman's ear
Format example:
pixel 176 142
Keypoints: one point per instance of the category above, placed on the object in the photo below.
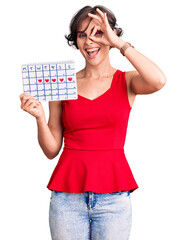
pixel 115 31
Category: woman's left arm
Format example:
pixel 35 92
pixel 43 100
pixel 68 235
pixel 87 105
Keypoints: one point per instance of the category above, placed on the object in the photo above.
pixel 148 78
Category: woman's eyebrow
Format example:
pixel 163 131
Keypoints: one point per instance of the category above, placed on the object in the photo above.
pixel 81 31
pixel 85 30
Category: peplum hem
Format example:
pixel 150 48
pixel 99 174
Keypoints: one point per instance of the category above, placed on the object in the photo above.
pixel 99 171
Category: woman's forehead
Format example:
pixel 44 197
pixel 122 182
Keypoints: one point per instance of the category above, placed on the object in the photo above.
pixel 83 25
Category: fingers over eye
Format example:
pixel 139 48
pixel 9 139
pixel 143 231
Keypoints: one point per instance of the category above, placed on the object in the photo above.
pixel 95 17
pixel 103 15
pixel 96 31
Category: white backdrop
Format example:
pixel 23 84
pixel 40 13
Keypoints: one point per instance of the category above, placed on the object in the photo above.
pixel 33 31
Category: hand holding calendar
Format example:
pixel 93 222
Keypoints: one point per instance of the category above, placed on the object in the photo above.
pixel 54 81
pixel 31 105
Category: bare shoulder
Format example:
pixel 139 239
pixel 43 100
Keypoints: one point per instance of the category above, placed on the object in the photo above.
pixel 79 74
pixel 80 80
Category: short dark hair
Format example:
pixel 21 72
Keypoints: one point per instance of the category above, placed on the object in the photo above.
pixel 81 15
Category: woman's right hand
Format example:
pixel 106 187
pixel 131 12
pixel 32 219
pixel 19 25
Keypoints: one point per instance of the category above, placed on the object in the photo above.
pixel 31 105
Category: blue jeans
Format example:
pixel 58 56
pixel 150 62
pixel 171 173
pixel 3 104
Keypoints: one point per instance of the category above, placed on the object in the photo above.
pixel 89 215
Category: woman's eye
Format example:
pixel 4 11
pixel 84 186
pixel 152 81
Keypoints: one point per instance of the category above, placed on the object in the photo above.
pixel 98 32
pixel 81 35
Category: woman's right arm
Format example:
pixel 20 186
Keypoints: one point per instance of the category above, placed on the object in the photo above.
pixel 50 136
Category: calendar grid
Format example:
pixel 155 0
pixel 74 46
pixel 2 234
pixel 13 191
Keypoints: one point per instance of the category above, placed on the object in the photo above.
pixel 66 79
pixel 29 82
pixel 36 80
pixel 44 83
pixel 50 81
pixel 57 81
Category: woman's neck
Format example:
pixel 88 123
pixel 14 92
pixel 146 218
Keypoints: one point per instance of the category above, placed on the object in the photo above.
pixel 98 71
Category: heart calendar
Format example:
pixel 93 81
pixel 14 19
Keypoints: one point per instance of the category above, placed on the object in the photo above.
pixel 54 81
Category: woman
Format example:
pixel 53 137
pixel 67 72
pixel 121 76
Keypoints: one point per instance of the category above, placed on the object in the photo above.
pixel 92 181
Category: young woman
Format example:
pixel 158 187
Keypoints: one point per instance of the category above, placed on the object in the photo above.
pixel 92 181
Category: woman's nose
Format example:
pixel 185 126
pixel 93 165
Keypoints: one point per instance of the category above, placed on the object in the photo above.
pixel 89 41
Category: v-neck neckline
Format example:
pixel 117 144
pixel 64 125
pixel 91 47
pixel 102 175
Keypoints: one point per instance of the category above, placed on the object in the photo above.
pixel 103 94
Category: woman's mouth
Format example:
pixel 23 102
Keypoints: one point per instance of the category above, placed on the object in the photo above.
pixel 92 52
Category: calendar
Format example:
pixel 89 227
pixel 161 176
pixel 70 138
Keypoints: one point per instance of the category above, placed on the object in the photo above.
pixel 54 81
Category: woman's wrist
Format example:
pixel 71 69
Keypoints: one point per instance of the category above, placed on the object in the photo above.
pixel 41 120
pixel 119 43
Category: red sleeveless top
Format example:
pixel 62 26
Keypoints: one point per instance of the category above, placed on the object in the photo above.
pixel 93 157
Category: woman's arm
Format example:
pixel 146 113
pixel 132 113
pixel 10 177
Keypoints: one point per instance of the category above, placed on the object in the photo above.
pixel 50 135
pixel 148 78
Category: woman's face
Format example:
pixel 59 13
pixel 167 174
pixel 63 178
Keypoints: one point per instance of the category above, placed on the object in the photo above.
pixel 93 52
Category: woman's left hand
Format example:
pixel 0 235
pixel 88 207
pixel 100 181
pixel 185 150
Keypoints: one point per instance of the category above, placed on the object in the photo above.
pixel 108 36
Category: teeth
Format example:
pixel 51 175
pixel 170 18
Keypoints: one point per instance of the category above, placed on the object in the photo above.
pixel 92 50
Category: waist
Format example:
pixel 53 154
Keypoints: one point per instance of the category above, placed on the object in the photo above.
pixel 93 149
pixel 92 141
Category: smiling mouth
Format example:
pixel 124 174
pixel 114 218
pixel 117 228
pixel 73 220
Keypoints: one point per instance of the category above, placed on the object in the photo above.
pixel 92 52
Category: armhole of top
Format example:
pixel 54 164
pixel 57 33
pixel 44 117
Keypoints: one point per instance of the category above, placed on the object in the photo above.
pixel 125 84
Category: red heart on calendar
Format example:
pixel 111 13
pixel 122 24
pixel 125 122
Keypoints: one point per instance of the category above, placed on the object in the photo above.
pixel 46 80
pixel 53 79
pixel 39 80
pixel 61 79
pixel 70 79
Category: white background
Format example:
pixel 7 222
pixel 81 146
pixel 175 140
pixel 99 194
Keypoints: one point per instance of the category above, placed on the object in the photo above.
pixel 33 31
